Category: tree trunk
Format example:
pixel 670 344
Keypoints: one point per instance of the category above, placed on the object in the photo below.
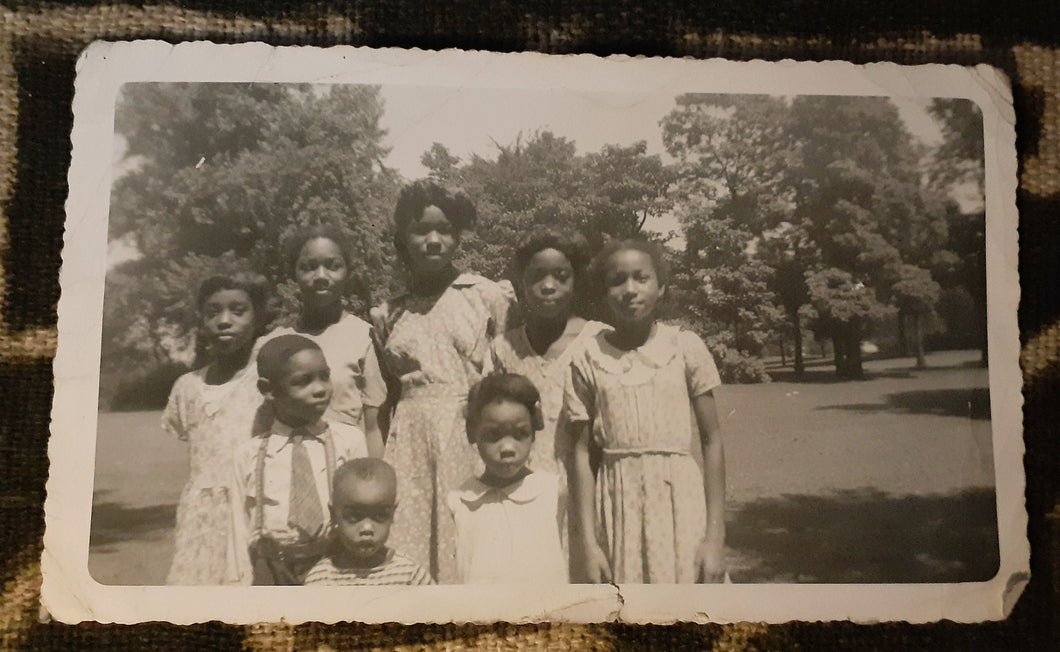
pixel 783 353
pixel 839 354
pixel 847 344
pixel 918 335
pixel 797 334
pixel 983 340
pixel 903 342
pixel 857 372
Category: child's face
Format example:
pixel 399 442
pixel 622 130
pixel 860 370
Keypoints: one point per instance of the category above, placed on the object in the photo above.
pixel 321 273
pixel 301 395
pixel 228 317
pixel 633 287
pixel 362 511
pixel 504 434
pixel 431 242
pixel 548 284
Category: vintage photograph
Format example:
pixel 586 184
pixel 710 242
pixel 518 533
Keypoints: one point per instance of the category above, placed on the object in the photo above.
pixel 364 333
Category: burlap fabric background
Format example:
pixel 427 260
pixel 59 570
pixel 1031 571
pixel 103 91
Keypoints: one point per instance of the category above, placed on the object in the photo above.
pixel 38 47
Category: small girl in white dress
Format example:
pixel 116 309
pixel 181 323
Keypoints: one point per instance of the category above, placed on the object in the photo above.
pixel 508 520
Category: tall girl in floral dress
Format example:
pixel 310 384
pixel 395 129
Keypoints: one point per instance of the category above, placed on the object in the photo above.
pixel 435 347
pixel 213 408
pixel 548 276
pixel 655 516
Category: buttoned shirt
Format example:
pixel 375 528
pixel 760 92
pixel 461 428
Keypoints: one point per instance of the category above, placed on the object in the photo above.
pixel 348 442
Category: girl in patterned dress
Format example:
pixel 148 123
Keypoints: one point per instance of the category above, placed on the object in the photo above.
pixel 656 517
pixel 320 264
pixel 213 408
pixel 547 275
pixel 435 347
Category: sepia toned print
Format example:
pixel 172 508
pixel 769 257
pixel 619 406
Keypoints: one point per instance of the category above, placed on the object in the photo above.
pixel 756 313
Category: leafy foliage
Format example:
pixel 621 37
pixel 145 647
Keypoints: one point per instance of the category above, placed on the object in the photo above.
pixel 825 195
pixel 543 182
pixel 220 177
pixel 960 157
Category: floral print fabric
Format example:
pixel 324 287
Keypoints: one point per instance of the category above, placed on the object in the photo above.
pixel 650 502
pixel 437 348
pixel 214 420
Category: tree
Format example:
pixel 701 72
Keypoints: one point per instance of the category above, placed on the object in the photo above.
pixel 542 181
pixel 733 144
pixel 958 164
pixel 220 176
pixel 824 188
pixel 859 197
pixel 844 309
pixel 627 187
pixel 791 253
pixel 724 292
pixel 916 294
pixel 959 159
pixel 730 191
pixel 440 161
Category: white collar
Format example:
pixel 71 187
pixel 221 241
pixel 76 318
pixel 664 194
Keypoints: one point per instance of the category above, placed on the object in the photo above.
pixel 525 490
pixel 657 352
pixel 280 433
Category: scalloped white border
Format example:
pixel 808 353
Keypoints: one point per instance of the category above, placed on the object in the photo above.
pixel 71 595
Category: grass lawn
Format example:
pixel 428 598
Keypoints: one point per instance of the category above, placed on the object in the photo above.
pixel 140 471
pixel 889 479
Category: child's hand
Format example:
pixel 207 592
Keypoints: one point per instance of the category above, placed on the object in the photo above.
pixel 710 562
pixel 597 568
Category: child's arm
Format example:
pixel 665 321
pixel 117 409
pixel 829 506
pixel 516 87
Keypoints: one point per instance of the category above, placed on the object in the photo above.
pixel 373 435
pixel 710 557
pixel 172 419
pixel 391 384
pixel 597 568
pixel 373 395
pixel 241 530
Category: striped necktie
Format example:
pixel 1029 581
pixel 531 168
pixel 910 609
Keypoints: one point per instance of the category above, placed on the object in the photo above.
pixel 305 512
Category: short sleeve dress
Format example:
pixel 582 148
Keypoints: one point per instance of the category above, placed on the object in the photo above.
pixel 436 348
pixel 355 377
pixel 650 502
pixel 215 420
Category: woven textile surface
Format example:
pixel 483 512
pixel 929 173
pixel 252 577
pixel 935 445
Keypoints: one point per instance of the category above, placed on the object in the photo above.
pixel 39 44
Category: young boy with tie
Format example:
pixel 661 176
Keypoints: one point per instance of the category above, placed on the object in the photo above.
pixel 285 475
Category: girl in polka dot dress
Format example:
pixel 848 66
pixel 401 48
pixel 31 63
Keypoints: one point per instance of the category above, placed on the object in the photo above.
pixel 644 391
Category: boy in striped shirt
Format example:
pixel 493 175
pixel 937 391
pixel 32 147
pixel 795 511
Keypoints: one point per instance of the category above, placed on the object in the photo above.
pixel 362 508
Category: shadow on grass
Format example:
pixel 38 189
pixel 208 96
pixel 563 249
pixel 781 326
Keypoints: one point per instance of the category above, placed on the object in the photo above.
pixel 822 371
pixel 114 523
pixel 865 536
pixel 971 403
pixel 826 375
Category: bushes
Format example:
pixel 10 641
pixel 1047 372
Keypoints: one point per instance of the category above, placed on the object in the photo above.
pixel 737 367
pixel 148 391
pixel 734 365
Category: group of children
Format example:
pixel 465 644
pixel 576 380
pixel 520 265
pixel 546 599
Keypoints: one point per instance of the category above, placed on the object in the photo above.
pixel 439 445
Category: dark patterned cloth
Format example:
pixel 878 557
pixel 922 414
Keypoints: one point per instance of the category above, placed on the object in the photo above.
pixel 39 44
